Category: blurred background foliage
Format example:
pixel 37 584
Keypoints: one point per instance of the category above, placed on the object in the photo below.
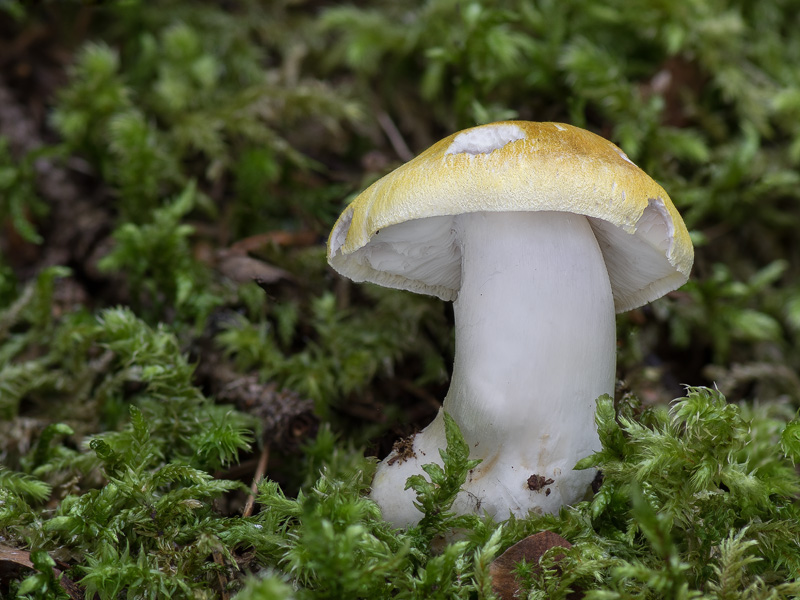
pixel 169 173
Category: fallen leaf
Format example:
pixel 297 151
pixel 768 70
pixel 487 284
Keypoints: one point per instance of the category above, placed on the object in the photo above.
pixel 14 559
pixel 502 570
pixel 17 557
pixel 243 269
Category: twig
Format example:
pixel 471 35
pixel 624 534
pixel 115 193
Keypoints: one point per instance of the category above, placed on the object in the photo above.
pixel 395 138
pixel 260 470
pixel 223 584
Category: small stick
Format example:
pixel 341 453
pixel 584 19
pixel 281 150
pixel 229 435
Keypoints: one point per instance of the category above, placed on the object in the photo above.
pixel 395 138
pixel 220 578
pixel 260 470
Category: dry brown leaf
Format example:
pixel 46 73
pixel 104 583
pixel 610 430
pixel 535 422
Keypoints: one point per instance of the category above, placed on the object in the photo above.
pixel 243 269
pixel 502 570
pixel 12 560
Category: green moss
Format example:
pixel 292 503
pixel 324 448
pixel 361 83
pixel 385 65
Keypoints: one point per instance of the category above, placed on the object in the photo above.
pixel 204 133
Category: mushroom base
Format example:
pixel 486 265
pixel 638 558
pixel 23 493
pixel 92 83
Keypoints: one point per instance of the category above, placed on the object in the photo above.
pixel 535 347
pixel 501 486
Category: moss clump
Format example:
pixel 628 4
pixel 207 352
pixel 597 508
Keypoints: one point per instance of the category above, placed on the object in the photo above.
pixel 168 176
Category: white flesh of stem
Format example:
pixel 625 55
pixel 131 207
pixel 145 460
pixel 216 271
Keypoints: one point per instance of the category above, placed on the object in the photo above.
pixel 535 347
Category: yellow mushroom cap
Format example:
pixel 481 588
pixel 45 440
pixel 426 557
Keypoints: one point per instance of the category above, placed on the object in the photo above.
pixel 398 232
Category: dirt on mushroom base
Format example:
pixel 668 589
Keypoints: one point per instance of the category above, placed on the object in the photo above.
pixel 537 482
pixel 403 450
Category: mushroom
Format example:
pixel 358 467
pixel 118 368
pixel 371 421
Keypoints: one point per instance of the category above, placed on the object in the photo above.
pixel 538 233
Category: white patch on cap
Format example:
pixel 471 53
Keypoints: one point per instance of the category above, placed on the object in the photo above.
pixel 339 234
pixel 559 127
pixel 483 140
pixel 625 157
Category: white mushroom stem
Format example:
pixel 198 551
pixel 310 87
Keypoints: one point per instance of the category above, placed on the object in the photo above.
pixel 535 347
